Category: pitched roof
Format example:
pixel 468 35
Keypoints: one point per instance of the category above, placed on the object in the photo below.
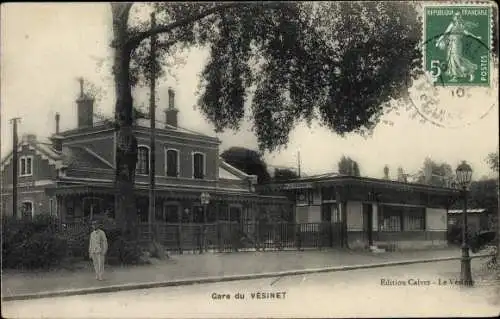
pixel 225 174
pixel 71 156
pixel 335 177
pixel 41 148
pixel 79 157
pixel 234 171
pixel 313 177
pixel 147 124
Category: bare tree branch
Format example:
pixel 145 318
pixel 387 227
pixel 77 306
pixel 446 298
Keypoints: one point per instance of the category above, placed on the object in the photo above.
pixel 136 39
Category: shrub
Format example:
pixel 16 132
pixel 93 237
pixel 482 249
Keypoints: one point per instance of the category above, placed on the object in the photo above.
pixel 78 236
pixel 44 242
pixel 32 243
pixel 43 250
pixel 482 239
pixel 122 250
pixel 455 234
pixel 42 222
pixel 78 241
pixel 14 234
pixel 239 239
pixel 40 250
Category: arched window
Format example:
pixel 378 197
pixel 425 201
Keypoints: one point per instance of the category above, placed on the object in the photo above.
pixel 172 163
pixel 142 167
pixel 198 165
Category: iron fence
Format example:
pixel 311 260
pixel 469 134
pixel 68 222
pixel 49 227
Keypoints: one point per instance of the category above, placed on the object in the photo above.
pixel 224 236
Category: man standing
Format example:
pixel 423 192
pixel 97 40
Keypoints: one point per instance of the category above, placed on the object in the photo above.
pixel 98 246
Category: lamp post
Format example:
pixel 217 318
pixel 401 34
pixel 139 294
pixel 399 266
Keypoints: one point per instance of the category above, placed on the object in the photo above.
pixel 205 200
pixel 464 175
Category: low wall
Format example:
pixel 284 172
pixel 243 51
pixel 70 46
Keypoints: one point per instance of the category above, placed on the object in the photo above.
pixel 399 240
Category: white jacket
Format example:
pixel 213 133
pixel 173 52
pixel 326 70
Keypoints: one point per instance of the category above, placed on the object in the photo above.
pixel 98 242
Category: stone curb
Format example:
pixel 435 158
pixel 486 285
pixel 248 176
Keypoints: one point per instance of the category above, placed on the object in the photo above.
pixel 206 280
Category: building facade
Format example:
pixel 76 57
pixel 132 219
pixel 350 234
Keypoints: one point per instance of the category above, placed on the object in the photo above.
pixel 72 175
pixel 478 219
pixel 358 212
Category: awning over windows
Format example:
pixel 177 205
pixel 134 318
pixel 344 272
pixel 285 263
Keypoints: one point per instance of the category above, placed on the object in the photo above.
pixel 171 193
pixel 79 190
pixel 469 211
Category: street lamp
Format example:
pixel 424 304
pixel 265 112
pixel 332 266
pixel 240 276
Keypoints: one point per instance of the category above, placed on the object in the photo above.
pixel 464 175
pixel 205 200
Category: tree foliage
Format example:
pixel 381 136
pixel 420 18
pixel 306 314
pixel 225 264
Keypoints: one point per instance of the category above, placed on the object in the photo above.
pixel 338 62
pixel 348 166
pixel 492 160
pixel 248 161
pixel 436 174
pixel 482 194
pixel 284 174
pixel 402 176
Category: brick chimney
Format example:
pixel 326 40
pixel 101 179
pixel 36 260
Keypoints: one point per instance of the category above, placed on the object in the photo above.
pixel 427 172
pixel 56 139
pixel 58 118
pixel 171 111
pixel 386 172
pixel 85 108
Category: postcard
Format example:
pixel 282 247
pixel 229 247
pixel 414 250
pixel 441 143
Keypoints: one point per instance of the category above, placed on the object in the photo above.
pixel 249 159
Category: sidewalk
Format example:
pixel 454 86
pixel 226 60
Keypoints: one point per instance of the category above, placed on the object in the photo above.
pixel 180 267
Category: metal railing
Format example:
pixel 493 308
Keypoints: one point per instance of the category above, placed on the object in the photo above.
pixel 224 236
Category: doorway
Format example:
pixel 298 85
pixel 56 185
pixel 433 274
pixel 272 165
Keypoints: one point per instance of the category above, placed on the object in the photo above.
pixel 368 222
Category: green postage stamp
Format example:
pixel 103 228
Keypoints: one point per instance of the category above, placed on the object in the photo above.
pixel 457 44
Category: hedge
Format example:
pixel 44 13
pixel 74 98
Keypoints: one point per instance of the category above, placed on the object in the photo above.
pixel 45 242
pixel 32 243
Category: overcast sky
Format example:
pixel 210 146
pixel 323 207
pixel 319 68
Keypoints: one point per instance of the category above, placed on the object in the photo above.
pixel 46 47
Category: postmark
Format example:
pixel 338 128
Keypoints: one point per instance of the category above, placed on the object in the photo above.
pixel 459 86
pixel 453 107
pixel 458 42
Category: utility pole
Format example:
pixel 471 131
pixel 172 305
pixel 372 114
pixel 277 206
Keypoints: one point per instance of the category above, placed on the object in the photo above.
pixel 298 156
pixel 152 115
pixel 15 163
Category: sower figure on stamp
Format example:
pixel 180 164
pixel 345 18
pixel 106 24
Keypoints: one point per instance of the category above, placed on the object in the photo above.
pixel 98 247
pixel 453 42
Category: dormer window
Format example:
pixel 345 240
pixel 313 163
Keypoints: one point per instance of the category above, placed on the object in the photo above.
pixel 172 162
pixel 26 166
pixel 198 165
pixel 142 167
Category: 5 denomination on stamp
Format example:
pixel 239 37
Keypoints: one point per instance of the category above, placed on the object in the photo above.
pixel 457 44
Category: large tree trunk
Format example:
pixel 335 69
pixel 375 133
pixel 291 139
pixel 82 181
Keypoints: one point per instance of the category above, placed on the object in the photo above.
pixel 126 147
